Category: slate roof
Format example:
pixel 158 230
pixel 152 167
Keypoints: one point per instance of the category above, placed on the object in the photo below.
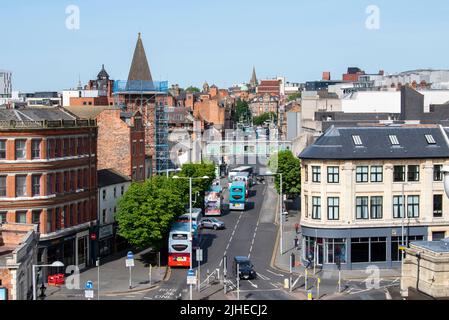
pixel 140 69
pixel 34 114
pixel 89 112
pixel 338 143
pixel 109 177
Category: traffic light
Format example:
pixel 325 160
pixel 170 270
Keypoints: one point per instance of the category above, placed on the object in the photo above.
pixel 338 262
pixel 292 260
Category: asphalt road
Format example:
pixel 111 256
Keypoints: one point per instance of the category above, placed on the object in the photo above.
pixel 249 233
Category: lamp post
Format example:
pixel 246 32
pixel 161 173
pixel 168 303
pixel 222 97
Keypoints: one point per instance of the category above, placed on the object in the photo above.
pixel 281 209
pixel 54 264
pixel 190 218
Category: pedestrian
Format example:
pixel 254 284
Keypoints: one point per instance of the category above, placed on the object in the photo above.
pixel 297 228
pixel 296 242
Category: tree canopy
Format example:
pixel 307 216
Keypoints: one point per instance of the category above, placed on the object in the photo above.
pixel 290 166
pixel 294 96
pixel 264 117
pixel 192 89
pixel 242 111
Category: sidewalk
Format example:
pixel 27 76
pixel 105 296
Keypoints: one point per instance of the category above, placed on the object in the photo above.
pixel 114 278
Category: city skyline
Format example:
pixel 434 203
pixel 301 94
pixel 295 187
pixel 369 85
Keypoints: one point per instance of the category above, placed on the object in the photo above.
pixel 186 45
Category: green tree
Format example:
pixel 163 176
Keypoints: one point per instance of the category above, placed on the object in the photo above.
pixel 264 117
pixel 242 111
pixel 192 89
pixel 290 166
pixel 294 96
pixel 147 209
pixel 199 186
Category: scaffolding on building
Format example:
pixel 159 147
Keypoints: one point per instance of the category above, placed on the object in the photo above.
pixel 142 96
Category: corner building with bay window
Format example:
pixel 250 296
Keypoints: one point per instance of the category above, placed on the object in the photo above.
pixel 48 177
pixel 356 184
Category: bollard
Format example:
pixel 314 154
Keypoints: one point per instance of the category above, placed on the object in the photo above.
pixel 286 283
pixel 309 295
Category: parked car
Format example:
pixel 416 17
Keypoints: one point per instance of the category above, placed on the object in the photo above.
pixel 245 268
pixel 212 223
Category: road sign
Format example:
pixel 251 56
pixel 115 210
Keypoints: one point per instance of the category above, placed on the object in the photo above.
pixel 89 285
pixel 199 255
pixel 402 248
pixel 130 255
pixel 89 294
pixel 129 263
pixel 191 277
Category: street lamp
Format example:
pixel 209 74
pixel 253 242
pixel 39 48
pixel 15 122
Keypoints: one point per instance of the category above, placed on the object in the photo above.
pixel 190 224
pixel 54 264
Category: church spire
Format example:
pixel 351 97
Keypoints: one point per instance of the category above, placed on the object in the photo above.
pixel 253 82
pixel 140 69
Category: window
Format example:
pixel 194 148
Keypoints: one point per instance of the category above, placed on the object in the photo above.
pixel 357 141
pixel 72 215
pixel 378 249
pixel 72 180
pixel 58 218
pixel 72 147
pixel 393 139
pixel 430 139
pixel 58 182
pixel 79 146
pixel 361 207
pixel 316 208
pixel 36 183
pixel 333 208
pixel 49 220
pixel 398 207
pixel 438 235
pixel 35 149
pixel 80 181
pixel 21 217
pixel 122 190
pixel 141 175
pixel 79 213
pixel 36 218
pixel 399 173
pixel 437 205
pixel 361 174
pixel 360 249
pixel 104 194
pixel 2 149
pixel 376 207
pixel 58 148
pixel 413 173
pixel 65 147
pixel 413 206
pixel 438 172
pixel 336 250
pixel 3 217
pixel 2 186
pixel 50 147
pixel 66 181
pixel 396 254
pixel 376 173
pixel 332 175
pixel 104 216
pixel 306 205
pixel 134 147
pixel 21 188
pixel 316 174
pixel 20 149
pixel 306 173
pixel 134 174
pixel 115 192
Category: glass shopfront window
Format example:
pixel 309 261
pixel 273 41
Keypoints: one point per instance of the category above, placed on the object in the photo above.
pixel 360 249
pixel 335 248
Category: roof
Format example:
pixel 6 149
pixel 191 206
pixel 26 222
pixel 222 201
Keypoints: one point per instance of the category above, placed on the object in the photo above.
pixel 33 114
pixel 103 74
pixel 238 184
pixel 339 143
pixel 441 246
pixel 140 70
pixel 241 258
pixel 109 177
pixel 89 112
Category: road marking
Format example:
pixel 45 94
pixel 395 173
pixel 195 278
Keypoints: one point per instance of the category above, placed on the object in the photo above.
pixel 251 249
pixel 254 285
pixel 276 274
pixel 263 277
pixel 276 285
pixel 387 294
pixel 148 298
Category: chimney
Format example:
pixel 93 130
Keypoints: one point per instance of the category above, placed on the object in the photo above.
pixel 381 72
pixel 326 75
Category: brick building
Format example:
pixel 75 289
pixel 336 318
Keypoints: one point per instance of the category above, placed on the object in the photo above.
pixel 48 177
pixel 18 254
pixel 268 86
pixel 121 139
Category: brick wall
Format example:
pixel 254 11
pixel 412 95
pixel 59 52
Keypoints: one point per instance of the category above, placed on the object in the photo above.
pixel 6 281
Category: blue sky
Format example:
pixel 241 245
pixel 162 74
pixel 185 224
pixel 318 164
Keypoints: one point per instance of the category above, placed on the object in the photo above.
pixel 190 41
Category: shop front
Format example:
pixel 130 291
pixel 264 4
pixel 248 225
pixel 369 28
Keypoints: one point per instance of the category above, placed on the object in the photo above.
pixel 106 240
pixel 356 248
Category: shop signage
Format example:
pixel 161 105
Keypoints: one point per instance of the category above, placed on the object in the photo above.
pixel 106 231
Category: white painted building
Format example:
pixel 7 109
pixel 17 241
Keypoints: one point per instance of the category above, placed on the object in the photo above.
pixel 67 94
pixel 111 187
pixel 5 83
pixel 372 101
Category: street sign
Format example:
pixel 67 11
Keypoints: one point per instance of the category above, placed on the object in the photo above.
pixel 199 255
pixel 130 255
pixel 89 294
pixel 191 277
pixel 129 263
pixel 89 285
pixel 402 247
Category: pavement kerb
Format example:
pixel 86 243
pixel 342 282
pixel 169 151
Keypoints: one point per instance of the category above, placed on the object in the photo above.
pixel 167 274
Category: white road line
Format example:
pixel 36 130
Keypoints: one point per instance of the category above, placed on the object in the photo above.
pixel 276 274
pixel 221 262
pixel 387 294
pixel 274 285
pixel 263 277
pixel 251 249
pixel 254 285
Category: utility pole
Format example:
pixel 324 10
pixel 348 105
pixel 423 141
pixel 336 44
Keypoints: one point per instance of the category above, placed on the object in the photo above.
pixel 225 272
pixel 98 269
pixel 238 281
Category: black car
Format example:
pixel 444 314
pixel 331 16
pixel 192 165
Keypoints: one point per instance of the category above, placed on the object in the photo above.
pixel 245 268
